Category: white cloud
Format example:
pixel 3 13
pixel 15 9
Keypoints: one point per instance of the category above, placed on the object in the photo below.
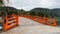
pixel 29 4
pixel 46 3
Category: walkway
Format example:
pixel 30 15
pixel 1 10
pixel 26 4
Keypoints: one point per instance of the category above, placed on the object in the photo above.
pixel 28 26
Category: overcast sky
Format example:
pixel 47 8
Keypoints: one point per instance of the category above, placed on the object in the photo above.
pixel 30 4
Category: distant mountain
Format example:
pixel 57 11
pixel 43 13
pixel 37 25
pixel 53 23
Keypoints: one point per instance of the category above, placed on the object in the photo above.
pixel 53 12
pixel 10 10
pixel 6 8
pixel 35 11
pixel 43 10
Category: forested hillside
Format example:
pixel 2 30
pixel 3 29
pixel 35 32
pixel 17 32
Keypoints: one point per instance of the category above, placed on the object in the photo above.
pixel 34 12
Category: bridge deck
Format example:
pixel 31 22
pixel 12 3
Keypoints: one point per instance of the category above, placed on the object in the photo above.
pixel 28 26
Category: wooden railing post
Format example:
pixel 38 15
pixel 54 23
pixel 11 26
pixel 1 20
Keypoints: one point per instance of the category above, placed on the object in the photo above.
pixel 54 21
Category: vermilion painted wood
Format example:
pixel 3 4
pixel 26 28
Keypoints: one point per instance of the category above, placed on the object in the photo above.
pixel 43 20
pixel 6 26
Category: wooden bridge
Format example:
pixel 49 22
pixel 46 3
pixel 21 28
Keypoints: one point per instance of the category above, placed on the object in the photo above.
pixel 44 20
pixel 28 26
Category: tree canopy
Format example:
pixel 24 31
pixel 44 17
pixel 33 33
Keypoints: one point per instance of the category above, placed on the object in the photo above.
pixel 34 12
